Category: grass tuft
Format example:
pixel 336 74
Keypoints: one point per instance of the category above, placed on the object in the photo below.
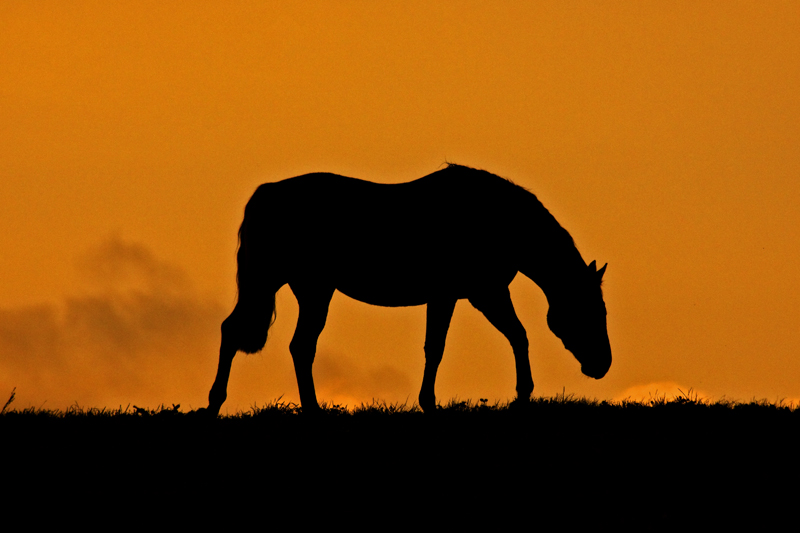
pixel 10 399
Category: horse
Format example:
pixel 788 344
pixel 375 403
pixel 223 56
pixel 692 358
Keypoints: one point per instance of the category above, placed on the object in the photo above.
pixel 458 233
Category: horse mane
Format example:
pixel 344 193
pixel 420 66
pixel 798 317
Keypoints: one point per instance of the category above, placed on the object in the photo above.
pixel 560 237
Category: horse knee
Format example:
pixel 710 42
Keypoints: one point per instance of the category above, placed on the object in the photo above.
pixel 303 353
pixel 519 343
pixel 300 347
pixel 434 352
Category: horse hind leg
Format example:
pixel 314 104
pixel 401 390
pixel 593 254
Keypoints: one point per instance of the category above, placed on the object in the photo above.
pixel 244 330
pixel 499 310
pixel 438 319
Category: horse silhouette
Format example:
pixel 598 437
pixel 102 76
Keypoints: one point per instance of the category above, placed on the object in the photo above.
pixel 457 233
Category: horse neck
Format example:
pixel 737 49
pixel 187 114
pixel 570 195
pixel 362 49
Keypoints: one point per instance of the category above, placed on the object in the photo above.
pixel 557 270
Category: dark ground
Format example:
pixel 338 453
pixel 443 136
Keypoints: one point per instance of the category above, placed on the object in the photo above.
pixel 557 462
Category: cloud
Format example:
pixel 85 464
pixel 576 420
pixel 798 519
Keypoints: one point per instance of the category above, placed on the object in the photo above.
pixel 135 335
pixel 341 381
pixel 116 264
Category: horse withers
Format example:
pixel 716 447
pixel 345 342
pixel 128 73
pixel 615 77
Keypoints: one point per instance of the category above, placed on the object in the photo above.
pixel 454 234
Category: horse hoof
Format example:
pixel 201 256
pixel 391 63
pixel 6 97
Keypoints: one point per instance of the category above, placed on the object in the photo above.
pixel 311 410
pixel 428 408
pixel 202 413
pixel 520 404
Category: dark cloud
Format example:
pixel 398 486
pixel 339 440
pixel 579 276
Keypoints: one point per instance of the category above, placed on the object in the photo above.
pixel 140 334
pixel 116 263
pixel 135 334
pixel 340 379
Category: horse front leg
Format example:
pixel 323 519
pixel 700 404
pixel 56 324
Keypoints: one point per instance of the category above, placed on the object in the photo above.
pixel 439 314
pixel 219 390
pixel 313 314
pixel 227 351
pixel 497 307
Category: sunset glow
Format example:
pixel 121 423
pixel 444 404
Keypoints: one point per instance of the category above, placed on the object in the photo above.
pixel 665 137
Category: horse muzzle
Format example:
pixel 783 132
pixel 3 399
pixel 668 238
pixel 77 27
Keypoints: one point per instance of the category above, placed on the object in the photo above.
pixel 595 373
pixel 596 369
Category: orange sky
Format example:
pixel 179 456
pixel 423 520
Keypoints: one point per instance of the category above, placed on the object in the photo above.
pixel 664 136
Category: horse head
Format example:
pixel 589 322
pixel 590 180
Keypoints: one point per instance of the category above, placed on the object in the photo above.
pixel 578 318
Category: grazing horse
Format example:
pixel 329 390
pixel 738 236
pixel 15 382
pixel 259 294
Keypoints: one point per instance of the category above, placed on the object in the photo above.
pixel 457 233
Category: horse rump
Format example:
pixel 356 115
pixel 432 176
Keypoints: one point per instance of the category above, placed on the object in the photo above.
pixel 247 326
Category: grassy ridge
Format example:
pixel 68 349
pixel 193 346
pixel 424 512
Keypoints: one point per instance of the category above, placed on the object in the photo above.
pixel 562 408
pixel 590 425
pixel 667 462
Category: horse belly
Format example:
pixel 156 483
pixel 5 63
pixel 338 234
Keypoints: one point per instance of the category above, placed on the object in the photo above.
pixel 401 283
pixel 394 284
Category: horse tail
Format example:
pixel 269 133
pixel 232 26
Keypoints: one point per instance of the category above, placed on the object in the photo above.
pixel 248 324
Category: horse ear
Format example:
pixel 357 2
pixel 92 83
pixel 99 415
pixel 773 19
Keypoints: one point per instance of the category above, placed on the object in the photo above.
pixel 593 266
pixel 601 271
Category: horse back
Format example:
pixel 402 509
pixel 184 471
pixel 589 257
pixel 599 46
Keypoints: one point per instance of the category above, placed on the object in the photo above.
pixel 392 244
